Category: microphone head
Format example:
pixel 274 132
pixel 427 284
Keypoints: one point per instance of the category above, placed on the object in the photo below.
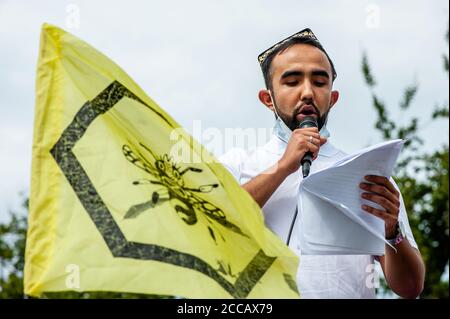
pixel 308 121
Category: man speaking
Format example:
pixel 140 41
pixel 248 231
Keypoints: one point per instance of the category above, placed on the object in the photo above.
pixel 299 78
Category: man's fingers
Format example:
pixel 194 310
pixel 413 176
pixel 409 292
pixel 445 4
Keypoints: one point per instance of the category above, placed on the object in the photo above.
pixel 383 201
pixel 310 139
pixel 310 129
pixel 306 132
pixel 379 213
pixel 381 180
pixel 380 190
pixel 313 148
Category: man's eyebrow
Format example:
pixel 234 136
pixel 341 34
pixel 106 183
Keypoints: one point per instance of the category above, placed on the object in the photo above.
pixel 320 73
pixel 301 73
pixel 291 73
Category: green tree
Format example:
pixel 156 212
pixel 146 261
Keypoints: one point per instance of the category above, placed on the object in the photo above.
pixel 12 249
pixel 423 179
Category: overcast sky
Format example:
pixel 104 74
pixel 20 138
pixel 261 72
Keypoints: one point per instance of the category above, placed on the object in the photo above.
pixel 197 60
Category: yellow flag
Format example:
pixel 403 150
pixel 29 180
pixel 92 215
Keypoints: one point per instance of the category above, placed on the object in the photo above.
pixel 123 199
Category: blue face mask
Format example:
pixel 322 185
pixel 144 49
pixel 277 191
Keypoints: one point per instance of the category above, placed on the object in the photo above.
pixel 283 132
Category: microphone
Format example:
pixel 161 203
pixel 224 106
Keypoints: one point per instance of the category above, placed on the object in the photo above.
pixel 308 121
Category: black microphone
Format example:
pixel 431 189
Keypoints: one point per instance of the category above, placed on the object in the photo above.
pixel 308 121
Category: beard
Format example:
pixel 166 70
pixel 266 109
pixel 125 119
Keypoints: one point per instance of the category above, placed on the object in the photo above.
pixel 291 120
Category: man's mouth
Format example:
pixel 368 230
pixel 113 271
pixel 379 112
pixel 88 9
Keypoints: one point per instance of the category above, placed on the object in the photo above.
pixel 306 110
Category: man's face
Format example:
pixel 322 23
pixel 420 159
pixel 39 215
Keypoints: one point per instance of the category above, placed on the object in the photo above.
pixel 302 85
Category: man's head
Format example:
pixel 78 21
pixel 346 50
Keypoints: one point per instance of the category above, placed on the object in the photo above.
pixel 299 78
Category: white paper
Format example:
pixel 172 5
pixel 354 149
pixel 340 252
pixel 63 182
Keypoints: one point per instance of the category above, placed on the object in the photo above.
pixel 330 218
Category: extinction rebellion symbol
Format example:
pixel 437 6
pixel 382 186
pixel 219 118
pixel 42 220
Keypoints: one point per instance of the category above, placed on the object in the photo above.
pixel 169 176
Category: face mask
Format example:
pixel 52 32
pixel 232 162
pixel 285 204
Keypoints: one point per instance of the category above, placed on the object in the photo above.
pixel 283 132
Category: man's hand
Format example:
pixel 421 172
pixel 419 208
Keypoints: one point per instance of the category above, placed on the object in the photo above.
pixel 381 191
pixel 302 141
pixel 403 267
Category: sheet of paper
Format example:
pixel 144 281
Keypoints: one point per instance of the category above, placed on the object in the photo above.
pixel 330 219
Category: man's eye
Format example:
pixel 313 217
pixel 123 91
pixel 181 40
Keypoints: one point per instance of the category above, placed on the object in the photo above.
pixel 320 83
pixel 292 83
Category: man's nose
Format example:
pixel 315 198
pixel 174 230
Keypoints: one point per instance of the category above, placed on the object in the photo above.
pixel 307 92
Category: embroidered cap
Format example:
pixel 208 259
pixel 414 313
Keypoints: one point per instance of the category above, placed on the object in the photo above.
pixel 303 34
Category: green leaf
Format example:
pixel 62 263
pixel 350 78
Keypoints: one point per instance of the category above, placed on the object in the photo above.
pixel 408 96
pixel 368 77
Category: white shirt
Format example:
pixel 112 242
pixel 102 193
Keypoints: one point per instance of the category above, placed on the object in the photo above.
pixel 341 276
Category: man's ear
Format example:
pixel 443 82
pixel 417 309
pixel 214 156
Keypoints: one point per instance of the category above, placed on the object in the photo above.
pixel 265 97
pixel 334 98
